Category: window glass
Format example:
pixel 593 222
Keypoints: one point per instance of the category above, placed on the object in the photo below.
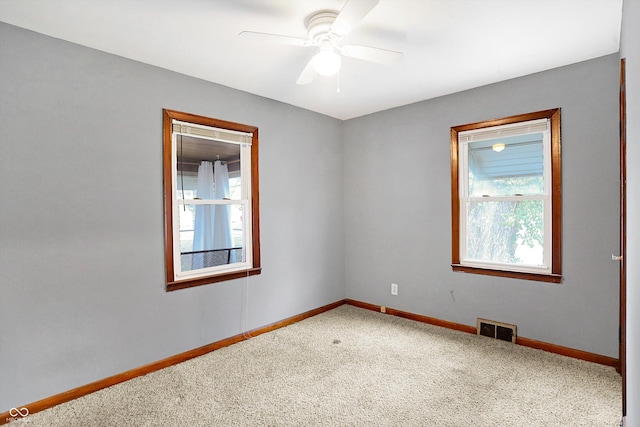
pixel 506 167
pixel 211 235
pixel 509 232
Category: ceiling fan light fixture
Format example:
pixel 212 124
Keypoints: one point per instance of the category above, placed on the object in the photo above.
pixel 327 61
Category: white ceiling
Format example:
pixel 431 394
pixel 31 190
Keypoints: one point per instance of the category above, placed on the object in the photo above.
pixel 448 45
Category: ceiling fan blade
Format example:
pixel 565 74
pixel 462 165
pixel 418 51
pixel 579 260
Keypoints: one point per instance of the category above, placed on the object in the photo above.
pixel 274 38
pixel 373 54
pixel 308 75
pixel 352 13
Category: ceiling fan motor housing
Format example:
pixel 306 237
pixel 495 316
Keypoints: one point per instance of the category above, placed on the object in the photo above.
pixel 319 26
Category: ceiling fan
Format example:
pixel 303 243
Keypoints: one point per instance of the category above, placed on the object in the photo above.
pixel 325 30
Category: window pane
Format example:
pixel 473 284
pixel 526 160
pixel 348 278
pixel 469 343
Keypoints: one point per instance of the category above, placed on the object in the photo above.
pixel 206 242
pixel 210 235
pixel 187 216
pixel 506 166
pixel 186 185
pixel 505 231
pixel 206 168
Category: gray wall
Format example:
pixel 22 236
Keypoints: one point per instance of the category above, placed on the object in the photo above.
pixel 81 216
pixel 630 49
pixel 398 209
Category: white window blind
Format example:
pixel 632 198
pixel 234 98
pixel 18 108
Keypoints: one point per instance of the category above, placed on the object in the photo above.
pixel 213 133
pixel 504 131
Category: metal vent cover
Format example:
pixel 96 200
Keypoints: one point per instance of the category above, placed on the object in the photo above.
pixel 497 330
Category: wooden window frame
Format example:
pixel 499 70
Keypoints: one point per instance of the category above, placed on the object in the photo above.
pixel 171 283
pixel 555 276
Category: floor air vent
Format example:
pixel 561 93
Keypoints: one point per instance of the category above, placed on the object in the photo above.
pixel 501 331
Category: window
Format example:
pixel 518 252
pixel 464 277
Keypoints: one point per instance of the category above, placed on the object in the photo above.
pixel 506 197
pixel 212 228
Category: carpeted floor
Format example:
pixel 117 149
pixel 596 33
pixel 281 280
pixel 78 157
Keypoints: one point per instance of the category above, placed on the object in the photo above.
pixel 353 367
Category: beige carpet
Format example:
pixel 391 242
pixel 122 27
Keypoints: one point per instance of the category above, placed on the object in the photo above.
pixel 353 367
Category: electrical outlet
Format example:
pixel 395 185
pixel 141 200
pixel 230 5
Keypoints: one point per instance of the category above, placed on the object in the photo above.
pixel 394 289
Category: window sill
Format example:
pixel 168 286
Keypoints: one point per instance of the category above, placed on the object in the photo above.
pixel 199 281
pixel 551 278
